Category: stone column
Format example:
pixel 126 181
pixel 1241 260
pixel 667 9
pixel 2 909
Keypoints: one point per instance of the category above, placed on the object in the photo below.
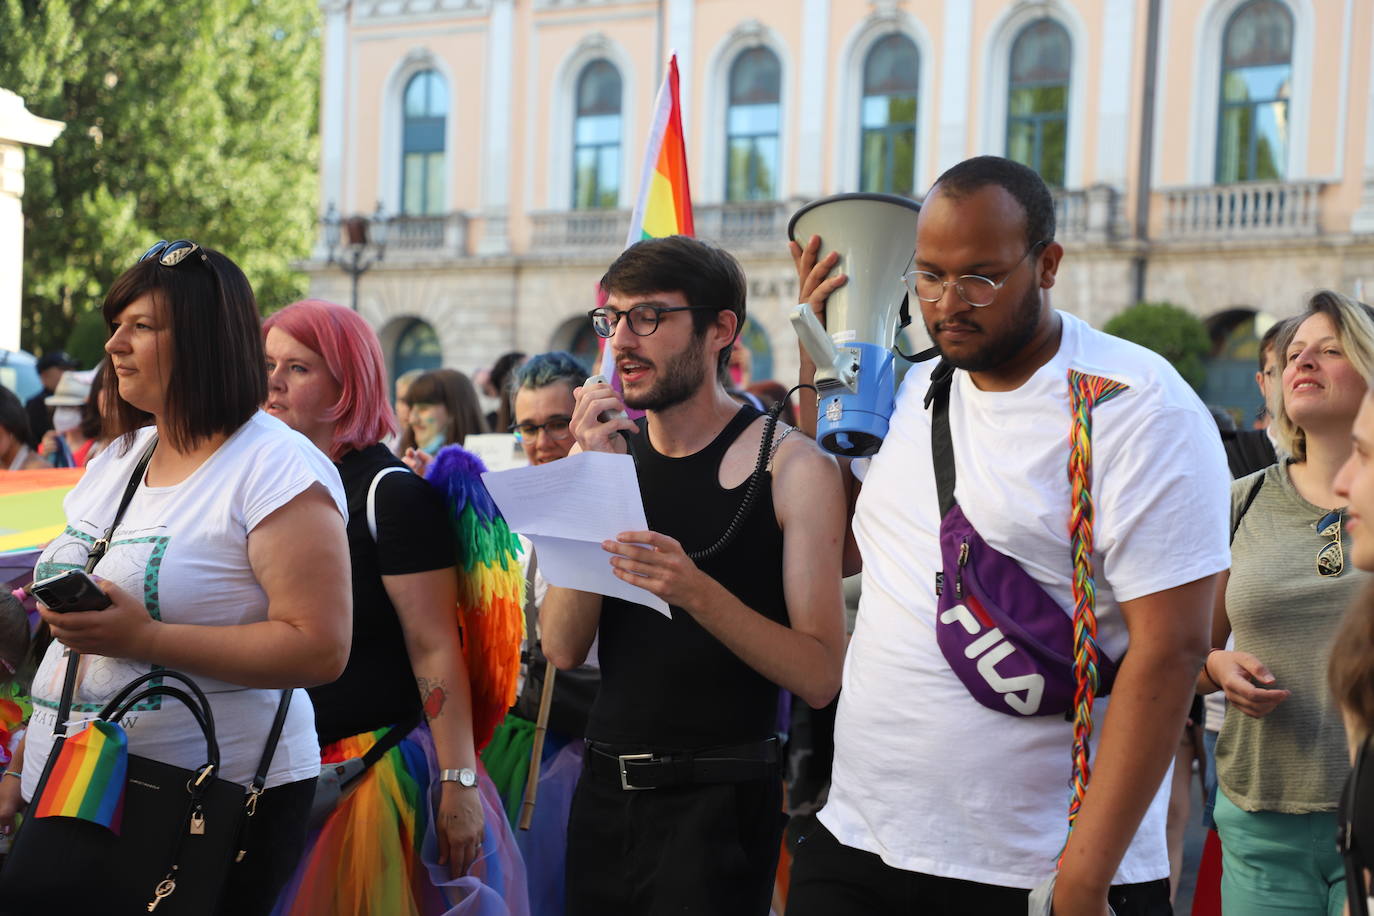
pixel 18 128
pixel 334 114
pixel 496 159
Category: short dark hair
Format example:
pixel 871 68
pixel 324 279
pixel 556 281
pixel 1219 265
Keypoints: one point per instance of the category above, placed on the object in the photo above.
pixel 1269 338
pixel 14 419
pixel 544 369
pixel 1021 182
pixel 218 377
pixel 705 275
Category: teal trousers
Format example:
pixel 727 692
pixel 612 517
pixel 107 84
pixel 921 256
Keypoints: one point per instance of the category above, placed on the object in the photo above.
pixel 1278 864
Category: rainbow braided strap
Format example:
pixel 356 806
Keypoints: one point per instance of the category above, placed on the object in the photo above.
pixel 1085 392
pixel 491 587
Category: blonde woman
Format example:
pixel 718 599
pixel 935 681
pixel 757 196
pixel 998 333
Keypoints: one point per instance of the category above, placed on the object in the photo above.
pixel 1281 756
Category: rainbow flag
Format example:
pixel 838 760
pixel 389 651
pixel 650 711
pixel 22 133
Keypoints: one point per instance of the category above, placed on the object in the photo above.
pixel 31 506
pixel 665 195
pixel 664 207
pixel 87 778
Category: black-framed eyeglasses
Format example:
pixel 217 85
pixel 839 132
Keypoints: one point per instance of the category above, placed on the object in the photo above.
pixel 1331 556
pixel 976 290
pixel 643 318
pixel 556 427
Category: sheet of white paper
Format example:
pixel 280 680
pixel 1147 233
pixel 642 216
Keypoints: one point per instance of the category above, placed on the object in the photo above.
pixel 567 508
pixel 498 451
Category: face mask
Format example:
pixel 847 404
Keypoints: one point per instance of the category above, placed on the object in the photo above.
pixel 65 419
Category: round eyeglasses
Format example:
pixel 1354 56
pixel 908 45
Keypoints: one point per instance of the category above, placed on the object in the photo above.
pixel 555 427
pixel 977 291
pixel 643 318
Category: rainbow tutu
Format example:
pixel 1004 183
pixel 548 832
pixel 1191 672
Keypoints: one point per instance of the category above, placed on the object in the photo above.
pixel 377 853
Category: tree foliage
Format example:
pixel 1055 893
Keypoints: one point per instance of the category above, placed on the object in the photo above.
pixel 1173 332
pixel 184 120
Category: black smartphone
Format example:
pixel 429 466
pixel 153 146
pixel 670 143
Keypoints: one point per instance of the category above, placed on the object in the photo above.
pixel 72 590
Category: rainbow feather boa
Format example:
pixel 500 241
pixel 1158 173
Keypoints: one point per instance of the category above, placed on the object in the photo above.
pixel 491 587
pixel 15 710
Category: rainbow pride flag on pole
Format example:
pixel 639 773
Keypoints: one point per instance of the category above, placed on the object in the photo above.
pixel 664 207
pixel 87 778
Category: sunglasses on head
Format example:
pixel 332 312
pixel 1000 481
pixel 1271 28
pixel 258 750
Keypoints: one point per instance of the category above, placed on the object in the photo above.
pixel 171 254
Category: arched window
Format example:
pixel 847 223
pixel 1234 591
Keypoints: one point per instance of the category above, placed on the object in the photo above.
pixel 417 347
pixel 1038 99
pixel 422 144
pixel 596 138
pixel 1256 78
pixel 887 151
pixel 752 122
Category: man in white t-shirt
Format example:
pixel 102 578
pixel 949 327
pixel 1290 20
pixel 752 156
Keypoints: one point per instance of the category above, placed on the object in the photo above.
pixel 940 804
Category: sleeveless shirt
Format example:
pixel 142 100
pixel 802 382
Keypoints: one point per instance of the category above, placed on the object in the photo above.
pixel 668 683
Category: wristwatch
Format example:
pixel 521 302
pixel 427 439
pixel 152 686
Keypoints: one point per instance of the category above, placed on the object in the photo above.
pixel 466 777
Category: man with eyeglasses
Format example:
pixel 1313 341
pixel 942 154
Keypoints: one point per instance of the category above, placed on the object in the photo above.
pixel 679 806
pixel 952 786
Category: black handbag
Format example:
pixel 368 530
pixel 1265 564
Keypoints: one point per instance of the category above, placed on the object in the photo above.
pixel 181 829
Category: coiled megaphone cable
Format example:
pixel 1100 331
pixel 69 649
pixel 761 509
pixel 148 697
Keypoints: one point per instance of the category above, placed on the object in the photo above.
pixel 751 491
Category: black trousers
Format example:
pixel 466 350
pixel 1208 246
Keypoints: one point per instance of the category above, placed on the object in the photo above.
pixel 698 849
pixel 275 845
pixel 832 879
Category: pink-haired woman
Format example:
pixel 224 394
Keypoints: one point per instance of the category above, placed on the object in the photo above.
pixel 326 379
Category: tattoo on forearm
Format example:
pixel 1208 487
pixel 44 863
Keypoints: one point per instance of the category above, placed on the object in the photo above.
pixel 433 695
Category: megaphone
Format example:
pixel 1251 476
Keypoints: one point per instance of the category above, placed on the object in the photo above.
pixel 855 383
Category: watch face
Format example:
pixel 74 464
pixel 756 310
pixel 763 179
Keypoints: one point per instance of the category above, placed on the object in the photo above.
pixel 467 777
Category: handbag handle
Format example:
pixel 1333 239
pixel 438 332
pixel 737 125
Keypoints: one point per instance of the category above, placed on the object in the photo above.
pixel 207 715
pixel 113 712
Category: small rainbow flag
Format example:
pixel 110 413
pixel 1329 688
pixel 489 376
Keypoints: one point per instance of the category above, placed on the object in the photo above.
pixel 665 195
pixel 664 207
pixel 87 778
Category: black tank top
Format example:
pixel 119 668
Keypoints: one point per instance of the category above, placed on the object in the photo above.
pixel 669 684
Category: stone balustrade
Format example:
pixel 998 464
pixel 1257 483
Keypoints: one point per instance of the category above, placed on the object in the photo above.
pixel 1250 210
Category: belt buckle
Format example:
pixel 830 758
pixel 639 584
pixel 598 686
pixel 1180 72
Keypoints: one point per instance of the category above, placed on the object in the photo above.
pixel 624 777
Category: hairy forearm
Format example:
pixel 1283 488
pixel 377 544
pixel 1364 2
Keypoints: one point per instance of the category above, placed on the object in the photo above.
pixel 794 660
pixel 267 654
pixel 441 675
pixel 568 620
pixel 1149 704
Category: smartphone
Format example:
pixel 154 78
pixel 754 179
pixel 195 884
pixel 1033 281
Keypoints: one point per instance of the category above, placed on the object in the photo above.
pixel 72 590
pixel 606 415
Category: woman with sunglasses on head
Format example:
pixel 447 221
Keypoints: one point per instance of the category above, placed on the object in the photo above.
pixel 230 563
pixel 1281 755
pixel 326 379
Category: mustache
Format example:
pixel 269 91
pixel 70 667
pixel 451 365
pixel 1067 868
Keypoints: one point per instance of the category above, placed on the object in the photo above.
pixel 647 363
pixel 957 325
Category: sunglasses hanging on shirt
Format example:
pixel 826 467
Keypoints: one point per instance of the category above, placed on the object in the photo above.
pixel 1331 557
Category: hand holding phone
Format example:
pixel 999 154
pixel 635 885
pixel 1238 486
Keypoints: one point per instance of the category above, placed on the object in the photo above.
pixel 72 590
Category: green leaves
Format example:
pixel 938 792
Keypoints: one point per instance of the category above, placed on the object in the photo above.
pixel 184 120
pixel 1171 331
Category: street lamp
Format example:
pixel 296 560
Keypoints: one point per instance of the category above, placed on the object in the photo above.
pixel 363 242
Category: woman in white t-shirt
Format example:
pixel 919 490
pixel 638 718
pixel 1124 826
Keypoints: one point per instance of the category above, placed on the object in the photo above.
pixel 230 563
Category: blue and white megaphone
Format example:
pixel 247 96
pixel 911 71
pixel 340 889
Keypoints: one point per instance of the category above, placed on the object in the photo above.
pixel 855 383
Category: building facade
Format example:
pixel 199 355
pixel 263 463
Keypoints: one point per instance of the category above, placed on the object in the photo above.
pixel 1218 154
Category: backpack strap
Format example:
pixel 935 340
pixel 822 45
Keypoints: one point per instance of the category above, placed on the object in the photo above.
pixel 1245 506
pixel 372 499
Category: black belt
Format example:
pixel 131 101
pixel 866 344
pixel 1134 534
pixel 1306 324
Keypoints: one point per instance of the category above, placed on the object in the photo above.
pixel 641 770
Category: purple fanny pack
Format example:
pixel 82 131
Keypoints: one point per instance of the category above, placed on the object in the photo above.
pixel 1007 640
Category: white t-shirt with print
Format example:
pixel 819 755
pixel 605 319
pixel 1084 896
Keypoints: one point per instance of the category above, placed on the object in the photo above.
pixel 924 775
pixel 183 551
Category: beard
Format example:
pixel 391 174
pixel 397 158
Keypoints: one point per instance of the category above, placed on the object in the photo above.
pixel 679 379
pixel 996 351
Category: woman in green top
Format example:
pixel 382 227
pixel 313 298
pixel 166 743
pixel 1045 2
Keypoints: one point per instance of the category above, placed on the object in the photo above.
pixel 1281 755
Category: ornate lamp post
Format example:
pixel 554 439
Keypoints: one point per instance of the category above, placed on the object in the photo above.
pixel 357 243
